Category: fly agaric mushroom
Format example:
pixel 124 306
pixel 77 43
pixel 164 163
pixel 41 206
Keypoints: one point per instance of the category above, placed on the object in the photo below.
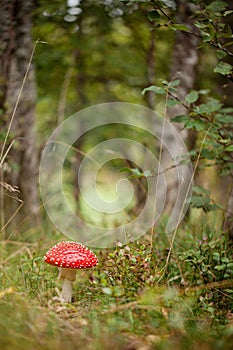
pixel 70 256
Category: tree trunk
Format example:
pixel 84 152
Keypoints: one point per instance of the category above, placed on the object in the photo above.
pixel 226 181
pixel 21 166
pixel 183 64
pixel 150 96
pixel 140 184
pixel 228 221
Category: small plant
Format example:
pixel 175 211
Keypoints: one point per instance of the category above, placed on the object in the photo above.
pixel 127 271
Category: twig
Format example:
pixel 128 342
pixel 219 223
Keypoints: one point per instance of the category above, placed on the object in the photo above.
pixel 11 218
pixel 211 285
pixel 13 197
pixel 8 150
pixel 140 303
pixel 159 163
pixel 8 187
pixel 63 93
pixel 3 154
pixel 122 307
pixel 17 101
pixel 176 229
pixel 215 45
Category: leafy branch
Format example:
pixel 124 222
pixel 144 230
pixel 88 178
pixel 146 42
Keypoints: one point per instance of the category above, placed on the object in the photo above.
pixel 209 27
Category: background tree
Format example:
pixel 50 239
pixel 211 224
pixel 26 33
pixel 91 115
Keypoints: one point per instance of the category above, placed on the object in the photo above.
pixel 183 64
pixel 202 112
pixel 21 166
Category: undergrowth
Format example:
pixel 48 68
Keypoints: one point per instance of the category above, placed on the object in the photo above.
pixel 127 302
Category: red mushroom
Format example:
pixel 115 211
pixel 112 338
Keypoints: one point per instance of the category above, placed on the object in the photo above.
pixel 69 256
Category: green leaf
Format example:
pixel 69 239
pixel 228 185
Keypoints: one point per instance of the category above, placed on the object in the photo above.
pixel 224 141
pixel 206 37
pixel 220 54
pixel 200 25
pixel 216 256
pixel 220 267
pixel 147 173
pixel 203 92
pixel 192 97
pixel 227 110
pixel 125 170
pixel 224 119
pixel 172 102
pixel 180 119
pixel 181 27
pixel 165 82
pixel 199 201
pixel 196 124
pixel 174 83
pixel 224 259
pixel 211 106
pixel 153 15
pixel 227 33
pixel 200 190
pixel 217 6
pixel 134 171
pixel 210 207
pixel 156 89
pixel 223 68
pixel 206 153
pixel 226 13
pixel 229 148
pixel 107 290
pixel 192 154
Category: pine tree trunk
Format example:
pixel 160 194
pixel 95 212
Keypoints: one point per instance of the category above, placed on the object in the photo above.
pixel 21 165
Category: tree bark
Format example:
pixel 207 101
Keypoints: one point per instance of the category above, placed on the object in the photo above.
pixel 140 184
pixel 21 166
pixel 226 181
pixel 150 98
pixel 183 64
pixel 228 220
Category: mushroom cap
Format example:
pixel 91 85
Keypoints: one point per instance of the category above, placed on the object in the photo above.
pixel 71 255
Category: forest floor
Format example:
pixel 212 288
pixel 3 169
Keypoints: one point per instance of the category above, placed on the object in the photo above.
pixel 132 300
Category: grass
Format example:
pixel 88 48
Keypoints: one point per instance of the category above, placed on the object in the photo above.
pixel 120 304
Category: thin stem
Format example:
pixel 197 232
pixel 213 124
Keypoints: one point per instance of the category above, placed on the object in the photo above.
pixel 2 154
pixel 159 165
pixel 176 229
pixel 18 99
pixel 198 35
pixel 2 211
pixel 2 230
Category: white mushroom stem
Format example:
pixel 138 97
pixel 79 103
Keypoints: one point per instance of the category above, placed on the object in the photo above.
pixel 68 276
